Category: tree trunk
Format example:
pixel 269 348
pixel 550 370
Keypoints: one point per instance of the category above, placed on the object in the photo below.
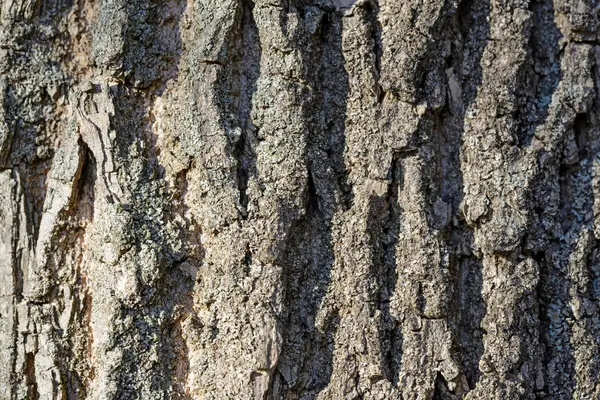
pixel 299 199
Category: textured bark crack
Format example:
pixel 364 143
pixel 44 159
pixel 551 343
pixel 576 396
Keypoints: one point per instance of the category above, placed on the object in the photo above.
pixel 29 370
pixel 384 263
pixel 373 10
pixel 238 77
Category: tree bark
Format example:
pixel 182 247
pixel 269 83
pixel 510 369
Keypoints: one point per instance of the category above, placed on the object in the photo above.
pixel 299 199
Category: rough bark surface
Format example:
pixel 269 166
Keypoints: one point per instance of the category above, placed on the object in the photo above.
pixel 299 199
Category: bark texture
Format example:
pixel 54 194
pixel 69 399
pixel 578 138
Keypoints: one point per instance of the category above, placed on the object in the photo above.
pixel 299 199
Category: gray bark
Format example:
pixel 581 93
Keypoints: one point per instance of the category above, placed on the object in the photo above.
pixel 299 199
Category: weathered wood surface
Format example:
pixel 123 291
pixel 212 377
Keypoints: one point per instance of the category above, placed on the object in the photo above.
pixel 299 199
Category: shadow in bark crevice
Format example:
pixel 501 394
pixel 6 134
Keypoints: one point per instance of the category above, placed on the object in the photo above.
pixel 539 77
pixel 562 276
pixel 536 81
pixel 471 26
pixel 383 227
pixel 306 360
pixel 236 84
pixel 81 210
pixel 542 78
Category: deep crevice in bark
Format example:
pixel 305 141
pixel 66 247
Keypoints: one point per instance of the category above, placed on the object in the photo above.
pixel 539 76
pixel 29 371
pixel 472 27
pixel 237 79
pixel 383 228
pixel 308 349
pixel 373 18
